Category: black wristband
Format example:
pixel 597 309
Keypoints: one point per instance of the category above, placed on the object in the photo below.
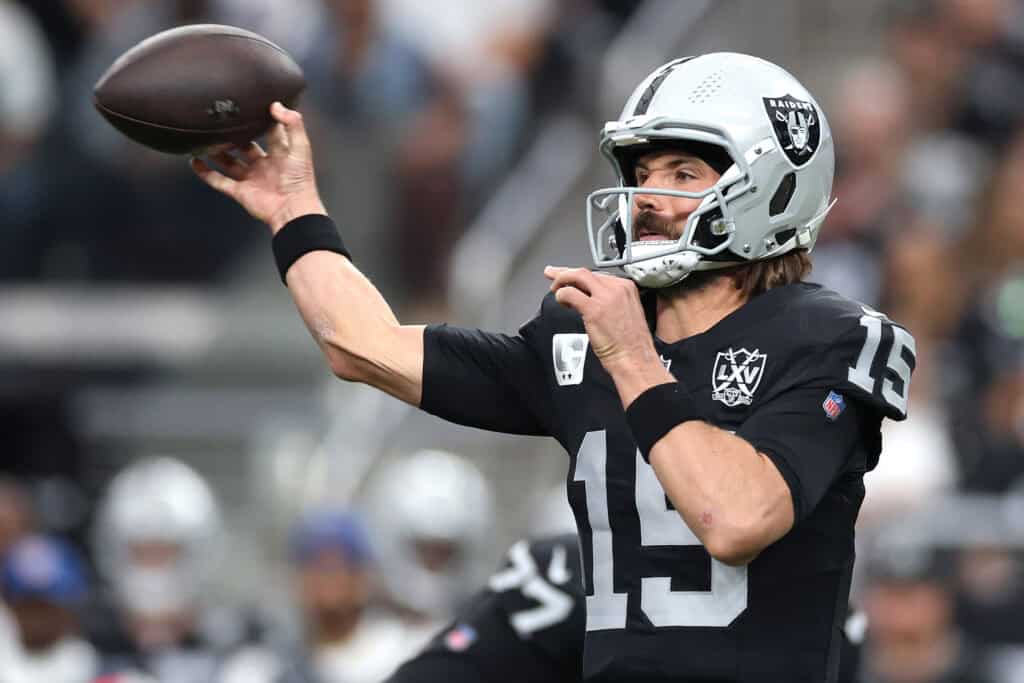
pixel 654 413
pixel 312 232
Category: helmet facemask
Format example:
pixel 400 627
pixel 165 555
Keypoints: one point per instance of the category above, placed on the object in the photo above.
pixel 708 233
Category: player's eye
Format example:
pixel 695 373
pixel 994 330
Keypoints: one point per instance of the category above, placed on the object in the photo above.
pixel 684 176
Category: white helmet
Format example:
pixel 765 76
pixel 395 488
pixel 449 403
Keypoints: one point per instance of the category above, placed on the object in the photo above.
pixel 770 200
pixel 431 497
pixel 157 501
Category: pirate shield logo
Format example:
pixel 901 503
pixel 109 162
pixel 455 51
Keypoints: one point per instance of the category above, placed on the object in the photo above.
pixel 736 376
pixel 797 126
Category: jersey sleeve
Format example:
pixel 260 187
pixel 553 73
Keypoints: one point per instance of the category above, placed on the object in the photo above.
pixel 485 380
pixel 813 434
pixel 826 419
pixel 873 362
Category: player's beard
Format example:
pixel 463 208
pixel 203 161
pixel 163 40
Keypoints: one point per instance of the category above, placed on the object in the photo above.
pixel 649 221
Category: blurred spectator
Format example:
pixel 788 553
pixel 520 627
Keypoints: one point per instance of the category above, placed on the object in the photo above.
pixel 157 537
pixel 925 46
pixel 62 26
pixel 427 109
pixel 346 641
pixel 872 131
pixel 993 33
pixel 17 518
pixel 918 459
pixel 991 595
pixel 487 51
pixel 289 23
pixel 430 516
pixel 361 73
pixel 28 98
pixel 944 177
pixel 368 89
pixel 987 379
pixel 44 585
pixel 912 637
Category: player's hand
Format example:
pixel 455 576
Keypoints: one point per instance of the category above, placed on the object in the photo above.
pixel 612 314
pixel 275 185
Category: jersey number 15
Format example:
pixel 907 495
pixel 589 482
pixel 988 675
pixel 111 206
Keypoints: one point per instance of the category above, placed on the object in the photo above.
pixel 659 526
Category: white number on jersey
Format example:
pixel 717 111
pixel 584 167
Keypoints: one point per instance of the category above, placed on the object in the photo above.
pixel 659 526
pixel 860 374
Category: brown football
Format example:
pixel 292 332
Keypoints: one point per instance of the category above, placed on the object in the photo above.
pixel 195 86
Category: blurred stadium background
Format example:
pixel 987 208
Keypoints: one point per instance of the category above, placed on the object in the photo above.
pixel 141 316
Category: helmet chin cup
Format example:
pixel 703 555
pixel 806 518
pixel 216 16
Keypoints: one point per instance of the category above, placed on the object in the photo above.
pixel 660 271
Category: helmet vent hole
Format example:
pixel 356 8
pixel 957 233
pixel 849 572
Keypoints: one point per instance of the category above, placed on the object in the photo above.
pixel 780 200
pixel 707 88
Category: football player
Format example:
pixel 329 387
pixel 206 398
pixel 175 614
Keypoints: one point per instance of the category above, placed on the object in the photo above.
pixel 719 413
pixel 157 537
pixel 526 625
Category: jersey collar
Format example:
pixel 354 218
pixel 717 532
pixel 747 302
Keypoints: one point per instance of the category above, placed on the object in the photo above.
pixel 738 323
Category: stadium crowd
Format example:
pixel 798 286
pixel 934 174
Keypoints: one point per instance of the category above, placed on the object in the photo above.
pixel 417 119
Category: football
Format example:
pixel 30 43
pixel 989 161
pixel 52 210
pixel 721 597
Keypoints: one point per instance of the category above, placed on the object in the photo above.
pixel 191 87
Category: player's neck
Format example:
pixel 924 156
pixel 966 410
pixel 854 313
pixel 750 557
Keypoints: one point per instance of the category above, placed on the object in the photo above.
pixel 687 313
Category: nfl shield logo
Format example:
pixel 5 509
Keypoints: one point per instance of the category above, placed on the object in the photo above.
pixel 736 375
pixel 460 638
pixel 834 405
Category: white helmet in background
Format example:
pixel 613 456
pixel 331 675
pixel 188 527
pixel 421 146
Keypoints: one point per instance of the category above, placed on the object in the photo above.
pixel 431 515
pixel 777 182
pixel 156 536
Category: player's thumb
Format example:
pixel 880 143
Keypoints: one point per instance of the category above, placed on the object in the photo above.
pixel 295 127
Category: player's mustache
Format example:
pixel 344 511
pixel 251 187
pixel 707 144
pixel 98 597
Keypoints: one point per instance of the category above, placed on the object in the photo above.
pixel 648 221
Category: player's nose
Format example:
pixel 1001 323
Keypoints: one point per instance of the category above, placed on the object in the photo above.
pixel 646 202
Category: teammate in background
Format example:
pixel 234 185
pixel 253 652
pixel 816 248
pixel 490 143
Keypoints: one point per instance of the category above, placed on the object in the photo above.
pixel 526 625
pixel 44 586
pixel 157 536
pixel 344 640
pixel 719 413
pixel 912 636
pixel 430 515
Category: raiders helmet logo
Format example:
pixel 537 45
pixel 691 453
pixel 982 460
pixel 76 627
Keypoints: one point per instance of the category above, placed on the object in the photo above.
pixel 796 125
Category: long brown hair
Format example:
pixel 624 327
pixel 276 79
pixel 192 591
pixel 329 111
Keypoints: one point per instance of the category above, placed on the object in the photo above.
pixel 760 276
pixel 752 278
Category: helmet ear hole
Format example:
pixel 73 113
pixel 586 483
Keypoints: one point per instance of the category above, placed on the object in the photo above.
pixel 784 192
pixel 702 234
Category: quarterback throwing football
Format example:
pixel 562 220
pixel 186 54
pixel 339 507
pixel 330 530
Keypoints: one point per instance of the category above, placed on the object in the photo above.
pixel 719 413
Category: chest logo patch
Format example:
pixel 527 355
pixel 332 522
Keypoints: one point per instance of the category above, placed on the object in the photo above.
pixel 736 376
pixel 569 352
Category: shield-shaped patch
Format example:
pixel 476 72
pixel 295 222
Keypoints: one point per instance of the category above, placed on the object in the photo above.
pixel 736 376
pixel 797 126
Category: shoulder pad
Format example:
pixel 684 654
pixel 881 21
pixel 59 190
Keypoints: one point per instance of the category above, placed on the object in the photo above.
pixel 551 318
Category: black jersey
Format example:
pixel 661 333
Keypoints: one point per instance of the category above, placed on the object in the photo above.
pixel 525 626
pixel 803 374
